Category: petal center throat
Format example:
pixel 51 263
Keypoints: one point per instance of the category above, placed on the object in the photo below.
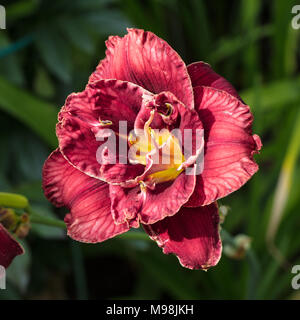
pixel 159 150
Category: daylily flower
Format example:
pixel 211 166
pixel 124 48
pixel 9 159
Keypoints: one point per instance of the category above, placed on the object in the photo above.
pixel 9 247
pixel 142 81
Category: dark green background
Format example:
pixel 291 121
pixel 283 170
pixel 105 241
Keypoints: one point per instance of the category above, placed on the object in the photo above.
pixel 49 50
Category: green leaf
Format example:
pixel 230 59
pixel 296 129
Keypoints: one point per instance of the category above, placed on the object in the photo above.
pixel 76 31
pixel 91 4
pixel 10 66
pixel 56 53
pixel 284 183
pixel 43 84
pixel 281 42
pixel 230 46
pixel 248 20
pixel 107 22
pixel 274 95
pixel 21 9
pixel 169 274
pixel 38 115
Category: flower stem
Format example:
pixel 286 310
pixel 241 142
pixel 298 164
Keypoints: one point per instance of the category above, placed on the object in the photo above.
pixel 79 271
pixel 36 218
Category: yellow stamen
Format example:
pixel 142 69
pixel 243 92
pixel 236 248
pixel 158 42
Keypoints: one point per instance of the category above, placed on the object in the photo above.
pixel 105 122
pixel 167 154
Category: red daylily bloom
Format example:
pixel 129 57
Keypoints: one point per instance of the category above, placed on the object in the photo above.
pixel 142 81
pixel 9 247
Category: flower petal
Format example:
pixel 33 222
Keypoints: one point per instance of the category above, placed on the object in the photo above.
pixel 125 204
pixel 148 203
pixel 183 123
pixel 167 198
pixel 148 206
pixel 143 58
pixel 9 247
pixel 192 235
pixel 229 145
pixel 88 121
pixel 202 74
pixel 90 218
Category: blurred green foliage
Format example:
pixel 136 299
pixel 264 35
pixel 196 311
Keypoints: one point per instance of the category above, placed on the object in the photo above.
pixel 48 51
